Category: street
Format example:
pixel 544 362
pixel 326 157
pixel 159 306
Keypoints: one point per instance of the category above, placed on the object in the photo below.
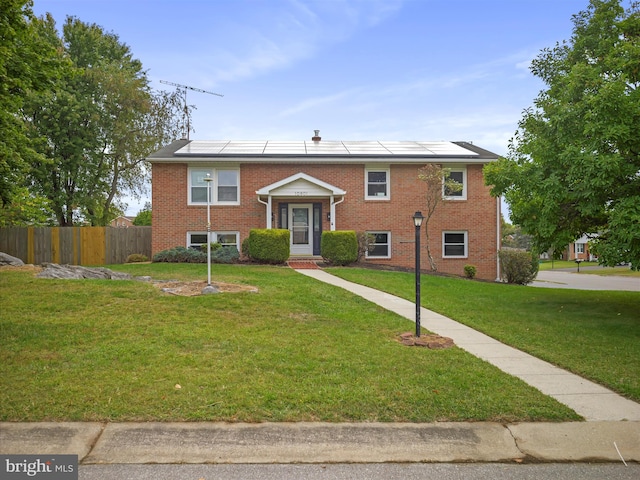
pixel 377 471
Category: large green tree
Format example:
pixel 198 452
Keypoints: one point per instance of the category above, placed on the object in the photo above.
pixel 25 66
pixel 573 167
pixel 96 125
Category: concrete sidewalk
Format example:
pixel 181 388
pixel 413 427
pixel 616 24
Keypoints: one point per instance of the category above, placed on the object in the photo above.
pixel 588 399
pixel 207 442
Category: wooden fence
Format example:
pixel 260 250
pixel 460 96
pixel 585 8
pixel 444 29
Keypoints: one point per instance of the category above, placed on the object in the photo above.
pixel 75 245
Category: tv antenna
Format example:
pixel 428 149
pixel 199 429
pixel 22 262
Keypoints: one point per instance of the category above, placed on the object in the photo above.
pixel 183 90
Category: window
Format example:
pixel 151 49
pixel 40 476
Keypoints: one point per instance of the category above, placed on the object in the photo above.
pixel 579 247
pixel 454 244
pixel 227 239
pixel 224 188
pixel 377 183
pixel 459 175
pixel 379 245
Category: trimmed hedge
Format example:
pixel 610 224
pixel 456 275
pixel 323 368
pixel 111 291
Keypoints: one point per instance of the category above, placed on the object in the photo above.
pixel 518 266
pixel 339 247
pixel 268 245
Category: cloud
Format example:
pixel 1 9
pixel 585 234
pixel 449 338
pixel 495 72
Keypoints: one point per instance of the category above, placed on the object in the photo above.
pixel 285 33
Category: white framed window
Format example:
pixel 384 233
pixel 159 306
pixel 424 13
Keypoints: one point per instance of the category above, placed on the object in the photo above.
pixel 579 247
pixel 227 239
pixel 225 187
pixel 455 244
pixel 459 175
pixel 379 245
pixel 376 183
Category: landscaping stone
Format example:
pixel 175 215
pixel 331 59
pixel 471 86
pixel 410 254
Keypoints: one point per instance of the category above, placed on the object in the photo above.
pixel 53 270
pixel 6 259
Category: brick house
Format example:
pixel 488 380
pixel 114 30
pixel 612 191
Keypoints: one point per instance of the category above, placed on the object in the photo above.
pixel 313 186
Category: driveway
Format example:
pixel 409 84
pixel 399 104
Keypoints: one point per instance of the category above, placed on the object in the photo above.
pixel 559 279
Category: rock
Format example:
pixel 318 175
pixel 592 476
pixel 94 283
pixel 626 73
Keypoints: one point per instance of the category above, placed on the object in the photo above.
pixel 209 289
pixel 6 259
pixel 53 270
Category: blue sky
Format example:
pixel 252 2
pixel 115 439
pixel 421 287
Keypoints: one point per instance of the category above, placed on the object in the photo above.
pixel 353 69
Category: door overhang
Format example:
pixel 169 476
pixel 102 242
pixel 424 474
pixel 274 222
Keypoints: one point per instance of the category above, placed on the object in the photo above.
pixel 300 186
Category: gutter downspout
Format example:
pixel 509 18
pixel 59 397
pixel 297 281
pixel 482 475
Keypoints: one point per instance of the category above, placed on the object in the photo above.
pixel 268 205
pixel 333 212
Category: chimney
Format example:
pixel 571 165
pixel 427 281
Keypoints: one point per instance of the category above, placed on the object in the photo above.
pixel 316 137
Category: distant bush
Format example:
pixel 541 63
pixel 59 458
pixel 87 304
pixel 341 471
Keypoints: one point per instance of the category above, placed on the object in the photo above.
pixel 268 245
pixel 180 255
pixel 518 266
pixel 339 247
pixel 470 271
pixel 137 258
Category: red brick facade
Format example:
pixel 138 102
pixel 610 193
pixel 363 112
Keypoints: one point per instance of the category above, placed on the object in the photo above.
pixel 477 215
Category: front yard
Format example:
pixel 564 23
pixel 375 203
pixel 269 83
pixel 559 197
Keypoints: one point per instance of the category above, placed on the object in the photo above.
pixel 297 350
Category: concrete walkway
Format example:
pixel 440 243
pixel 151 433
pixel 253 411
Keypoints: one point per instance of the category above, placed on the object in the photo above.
pixel 588 399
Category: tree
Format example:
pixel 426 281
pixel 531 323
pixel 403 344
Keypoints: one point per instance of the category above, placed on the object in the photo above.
pixel 573 166
pixel 438 184
pixel 143 219
pixel 25 66
pixel 96 125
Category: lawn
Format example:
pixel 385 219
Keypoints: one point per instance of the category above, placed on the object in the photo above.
pixel 298 350
pixel 595 334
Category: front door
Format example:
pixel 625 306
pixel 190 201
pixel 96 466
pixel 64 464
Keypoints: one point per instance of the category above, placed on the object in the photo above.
pixel 300 227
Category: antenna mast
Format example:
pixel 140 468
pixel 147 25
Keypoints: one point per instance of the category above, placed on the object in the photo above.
pixel 183 89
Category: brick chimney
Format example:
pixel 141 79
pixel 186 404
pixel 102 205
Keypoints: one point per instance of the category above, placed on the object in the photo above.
pixel 316 136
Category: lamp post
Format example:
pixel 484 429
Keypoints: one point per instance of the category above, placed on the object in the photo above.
pixel 417 222
pixel 208 179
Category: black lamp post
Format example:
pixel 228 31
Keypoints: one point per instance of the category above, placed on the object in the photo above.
pixel 417 221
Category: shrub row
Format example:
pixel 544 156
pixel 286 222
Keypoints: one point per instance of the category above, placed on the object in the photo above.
pixel 191 255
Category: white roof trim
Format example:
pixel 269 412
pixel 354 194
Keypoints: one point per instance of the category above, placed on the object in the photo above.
pixel 301 176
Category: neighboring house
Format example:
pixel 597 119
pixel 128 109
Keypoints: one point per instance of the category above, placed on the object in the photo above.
pixel 122 222
pixel 313 186
pixel 579 250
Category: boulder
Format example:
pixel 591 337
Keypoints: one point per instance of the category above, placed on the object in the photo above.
pixel 53 270
pixel 6 259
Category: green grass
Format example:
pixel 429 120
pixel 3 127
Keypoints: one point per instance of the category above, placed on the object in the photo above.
pixel 564 264
pixel 595 334
pixel 299 350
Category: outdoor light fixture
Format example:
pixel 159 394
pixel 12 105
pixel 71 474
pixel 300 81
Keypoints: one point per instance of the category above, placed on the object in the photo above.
pixel 208 179
pixel 417 222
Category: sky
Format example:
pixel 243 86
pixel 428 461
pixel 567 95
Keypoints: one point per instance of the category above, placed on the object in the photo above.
pixel 424 70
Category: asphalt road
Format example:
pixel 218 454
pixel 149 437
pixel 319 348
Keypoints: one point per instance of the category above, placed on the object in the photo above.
pixel 378 471
pixel 563 279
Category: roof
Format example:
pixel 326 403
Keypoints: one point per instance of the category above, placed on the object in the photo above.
pixel 321 151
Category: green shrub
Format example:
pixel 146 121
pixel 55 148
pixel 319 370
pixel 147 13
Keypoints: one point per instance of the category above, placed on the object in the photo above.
pixel 518 266
pixel 225 255
pixel 269 245
pixel 245 248
pixel 365 242
pixel 470 271
pixel 214 246
pixel 339 247
pixel 137 258
pixel 180 255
